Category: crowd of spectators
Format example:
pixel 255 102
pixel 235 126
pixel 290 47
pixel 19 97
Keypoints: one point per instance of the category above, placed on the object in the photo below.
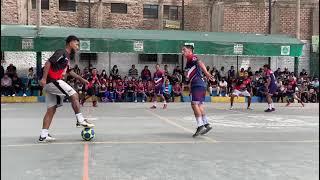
pixel 139 87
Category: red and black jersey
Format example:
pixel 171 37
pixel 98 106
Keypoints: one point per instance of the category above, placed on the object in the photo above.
pixel 60 63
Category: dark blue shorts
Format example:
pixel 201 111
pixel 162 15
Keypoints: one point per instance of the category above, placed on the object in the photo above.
pixel 272 90
pixel 198 94
pixel 158 90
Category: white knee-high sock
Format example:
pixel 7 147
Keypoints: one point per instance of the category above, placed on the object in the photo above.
pixel 199 121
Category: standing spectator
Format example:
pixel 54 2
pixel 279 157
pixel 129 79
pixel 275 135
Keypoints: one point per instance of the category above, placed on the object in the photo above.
pixel 250 73
pixel 241 73
pixel 231 74
pixel 103 74
pixel 177 90
pixel 114 73
pixel 277 73
pixel 133 72
pixel 76 69
pixel 146 74
pixel 167 91
pixel 286 72
pixel 6 86
pixel 223 87
pixel 223 73
pixel 177 70
pixel 141 92
pixel 303 73
pixel 1 72
pixel 11 70
pixel 166 71
pixel 176 77
pixel 18 86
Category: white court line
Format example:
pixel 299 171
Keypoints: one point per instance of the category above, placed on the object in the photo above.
pixel 179 126
pixel 153 142
pixel 107 142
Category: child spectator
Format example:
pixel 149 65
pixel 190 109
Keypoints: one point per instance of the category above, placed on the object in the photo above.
pixel 177 90
pixel 167 90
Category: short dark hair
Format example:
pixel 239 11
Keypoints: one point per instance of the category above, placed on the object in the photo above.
pixel 189 47
pixel 71 38
pixel 266 66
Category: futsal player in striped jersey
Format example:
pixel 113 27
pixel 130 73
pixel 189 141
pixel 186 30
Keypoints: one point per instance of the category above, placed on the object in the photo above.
pixel 194 69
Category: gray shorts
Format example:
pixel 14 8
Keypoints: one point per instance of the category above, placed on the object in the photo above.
pixel 55 92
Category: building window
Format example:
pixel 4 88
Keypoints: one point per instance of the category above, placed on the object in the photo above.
pixel 172 12
pixel 148 58
pixel 170 58
pixel 44 4
pixel 119 8
pixel 150 11
pixel 88 56
pixel 66 5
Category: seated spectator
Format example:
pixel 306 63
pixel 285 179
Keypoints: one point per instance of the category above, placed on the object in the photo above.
pixel 6 86
pixel 177 90
pixel 120 92
pixel 167 91
pixel 141 92
pixel 281 90
pixel 133 72
pixel 315 83
pixel 223 87
pixel 213 87
pixel 30 76
pixel 150 89
pixel 130 93
pixel 11 70
pixel 145 74
pixel 18 86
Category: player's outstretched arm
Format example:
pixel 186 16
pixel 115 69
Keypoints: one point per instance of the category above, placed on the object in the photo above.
pixel 75 75
pixel 204 69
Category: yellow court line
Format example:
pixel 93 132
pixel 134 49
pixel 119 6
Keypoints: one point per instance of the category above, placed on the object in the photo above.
pixel 179 126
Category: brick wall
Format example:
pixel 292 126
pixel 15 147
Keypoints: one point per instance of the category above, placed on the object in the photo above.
pixel 9 12
pixel 245 18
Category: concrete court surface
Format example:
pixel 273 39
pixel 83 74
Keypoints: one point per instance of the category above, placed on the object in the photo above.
pixel 134 142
